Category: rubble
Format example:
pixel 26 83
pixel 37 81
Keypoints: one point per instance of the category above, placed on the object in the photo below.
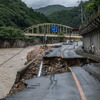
pixel 29 71
pixel 39 52
pixel 58 65
pixel 54 66
pixel 51 66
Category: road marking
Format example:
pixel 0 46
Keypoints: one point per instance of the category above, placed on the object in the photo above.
pixel 83 97
pixel 63 52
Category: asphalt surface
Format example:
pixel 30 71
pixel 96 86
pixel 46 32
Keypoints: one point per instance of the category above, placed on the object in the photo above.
pixel 67 50
pixel 93 69
pixel 42 89
pixel 89 84
pixel 60 86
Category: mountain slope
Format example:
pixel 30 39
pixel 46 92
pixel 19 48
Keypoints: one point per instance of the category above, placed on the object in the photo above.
pixel 16 13
pixel 70 18
pixel 52 8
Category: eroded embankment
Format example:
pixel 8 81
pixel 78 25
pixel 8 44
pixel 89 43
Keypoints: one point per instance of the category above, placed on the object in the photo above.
pixel 59 65
pixel 50 66
pixel 29 70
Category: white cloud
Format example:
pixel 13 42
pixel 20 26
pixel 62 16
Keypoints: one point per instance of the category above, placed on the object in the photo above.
pixel 42 3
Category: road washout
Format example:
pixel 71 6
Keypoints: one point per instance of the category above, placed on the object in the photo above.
pixel 30 71
pixel 51 66
pixel 12 60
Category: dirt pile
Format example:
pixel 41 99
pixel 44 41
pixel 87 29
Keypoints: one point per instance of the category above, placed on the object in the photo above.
pixel 35 53
pixel 51 66
pixel 54 66
pixel 29 71
pixel 59 65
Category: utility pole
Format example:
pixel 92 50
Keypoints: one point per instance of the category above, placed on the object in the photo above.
pixel 81 10
pixel 45 37
pixel 70 34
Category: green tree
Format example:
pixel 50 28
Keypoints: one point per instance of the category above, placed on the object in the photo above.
pixel 11 33
pixel 15 13
pixel 92 6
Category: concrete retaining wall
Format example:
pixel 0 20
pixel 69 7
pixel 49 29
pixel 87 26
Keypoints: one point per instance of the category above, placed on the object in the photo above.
pixel 90 39
pixel 91 34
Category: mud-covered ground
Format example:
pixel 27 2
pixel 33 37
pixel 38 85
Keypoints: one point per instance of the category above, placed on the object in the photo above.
pixel 11 61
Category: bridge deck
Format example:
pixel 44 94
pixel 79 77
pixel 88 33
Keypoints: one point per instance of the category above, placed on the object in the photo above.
pixel 53 35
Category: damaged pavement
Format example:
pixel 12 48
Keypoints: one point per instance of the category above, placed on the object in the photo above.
pixel 56 81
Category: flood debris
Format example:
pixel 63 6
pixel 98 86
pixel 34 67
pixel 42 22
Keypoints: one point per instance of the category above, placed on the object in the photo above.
pixel 58 65
pixel 39 52
pixel 51 66
pixel 30 70
pixel 54 66
pixel 17 88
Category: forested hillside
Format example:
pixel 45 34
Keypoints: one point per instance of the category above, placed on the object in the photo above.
pixel 15 13
pixel 71 17
pixel 93 6
pixel 52 8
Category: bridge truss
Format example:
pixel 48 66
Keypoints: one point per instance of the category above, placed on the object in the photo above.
pixel 46 29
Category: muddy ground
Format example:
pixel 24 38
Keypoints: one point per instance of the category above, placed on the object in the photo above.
pixel 11 61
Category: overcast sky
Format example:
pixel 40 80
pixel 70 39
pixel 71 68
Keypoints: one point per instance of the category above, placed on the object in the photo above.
pixel 42 3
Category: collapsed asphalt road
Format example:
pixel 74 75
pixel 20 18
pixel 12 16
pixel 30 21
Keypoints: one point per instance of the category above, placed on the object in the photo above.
pixel 67 50
pixel 61 86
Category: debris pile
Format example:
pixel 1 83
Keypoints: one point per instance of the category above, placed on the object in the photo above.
pixel 17 88
pixel 54 66
pixel 51 66
pixel 29 72
pixel 58 65
pixel 39 52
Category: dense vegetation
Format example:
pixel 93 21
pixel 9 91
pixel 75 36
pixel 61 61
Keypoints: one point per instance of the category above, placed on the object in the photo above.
pixel 66 18
pixel 70 18
pixel 11 33
pixel 52 8
pixel 93 6
pixel 15 13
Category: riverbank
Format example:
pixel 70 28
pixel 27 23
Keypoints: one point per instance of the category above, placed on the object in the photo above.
pixel 9 68
pixel 11 61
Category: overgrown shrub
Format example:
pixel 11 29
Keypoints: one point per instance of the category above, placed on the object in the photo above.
pixel 11 33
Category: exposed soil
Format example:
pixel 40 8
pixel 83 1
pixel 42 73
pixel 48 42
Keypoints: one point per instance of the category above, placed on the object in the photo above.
pixel 30 71
pixel 51 66
pixel 11 61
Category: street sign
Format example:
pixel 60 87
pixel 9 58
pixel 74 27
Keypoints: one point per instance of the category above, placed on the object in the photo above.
pixel 54 29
